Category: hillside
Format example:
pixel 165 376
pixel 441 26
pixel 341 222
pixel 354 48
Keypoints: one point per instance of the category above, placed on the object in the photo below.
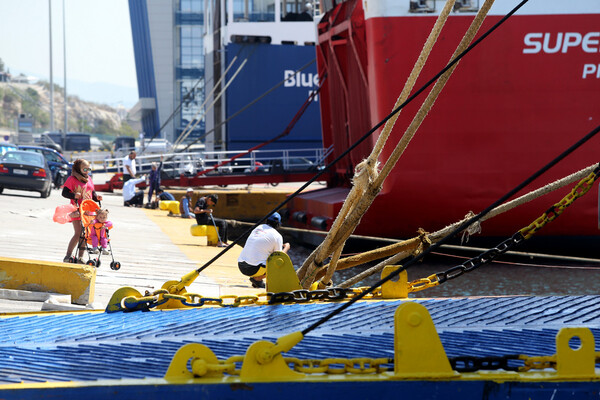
pixel 83 116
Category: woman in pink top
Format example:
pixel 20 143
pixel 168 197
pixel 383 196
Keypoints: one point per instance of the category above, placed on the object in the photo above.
pixel 78 187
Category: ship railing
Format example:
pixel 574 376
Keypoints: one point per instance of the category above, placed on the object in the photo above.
pixel 258 161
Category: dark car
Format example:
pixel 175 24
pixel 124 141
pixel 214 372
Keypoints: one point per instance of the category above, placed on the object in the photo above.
pixel 59 166
pixel 25 170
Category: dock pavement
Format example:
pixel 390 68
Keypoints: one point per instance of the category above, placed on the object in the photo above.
pixel 151 246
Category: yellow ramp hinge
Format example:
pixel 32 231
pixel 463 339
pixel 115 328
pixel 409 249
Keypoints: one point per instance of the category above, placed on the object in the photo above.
pixel 281 276
pixel 418 350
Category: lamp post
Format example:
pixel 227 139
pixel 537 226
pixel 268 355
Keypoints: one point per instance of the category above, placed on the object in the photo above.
pixel 51 77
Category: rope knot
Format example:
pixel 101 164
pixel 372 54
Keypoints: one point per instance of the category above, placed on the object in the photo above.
pixel 365 173
pixel 470 230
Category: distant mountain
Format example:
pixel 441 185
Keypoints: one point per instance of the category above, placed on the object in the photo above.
pixel 104 93
pixel 33 100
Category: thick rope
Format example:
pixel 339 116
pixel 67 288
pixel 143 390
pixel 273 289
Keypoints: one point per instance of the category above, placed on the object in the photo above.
pixel 366 171
pixel 437 236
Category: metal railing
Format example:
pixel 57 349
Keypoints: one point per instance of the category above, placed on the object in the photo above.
pixel 221 163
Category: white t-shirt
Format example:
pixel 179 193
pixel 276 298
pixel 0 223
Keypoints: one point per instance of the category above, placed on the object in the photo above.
pixel 262 241
pixel 128 161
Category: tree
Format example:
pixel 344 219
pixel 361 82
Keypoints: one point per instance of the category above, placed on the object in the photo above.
pixel 1 65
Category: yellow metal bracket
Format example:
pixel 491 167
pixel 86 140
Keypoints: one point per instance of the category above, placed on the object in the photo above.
pixel 201 356
pixel 281 276
pixel 417 347
pixel 114 304
pixel 397 289
pixel 575 353
pixel 263 361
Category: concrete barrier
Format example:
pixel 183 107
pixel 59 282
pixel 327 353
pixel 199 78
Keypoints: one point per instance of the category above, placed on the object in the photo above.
pixel 46 276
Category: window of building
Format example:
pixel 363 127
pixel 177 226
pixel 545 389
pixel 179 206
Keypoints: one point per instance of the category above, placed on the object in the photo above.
pixel 253 10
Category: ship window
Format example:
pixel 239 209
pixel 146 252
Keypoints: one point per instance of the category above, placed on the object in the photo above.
pixel 466 6
pixel 297 10
pixel 422 6
pixel 253 10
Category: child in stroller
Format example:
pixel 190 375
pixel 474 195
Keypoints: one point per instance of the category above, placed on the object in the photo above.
pixel 95 230
pixel 99 232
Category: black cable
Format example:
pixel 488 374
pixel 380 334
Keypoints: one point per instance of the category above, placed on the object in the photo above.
pixel 370 132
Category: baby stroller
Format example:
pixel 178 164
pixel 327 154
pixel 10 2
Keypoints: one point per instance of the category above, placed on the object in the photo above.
pixel 87 211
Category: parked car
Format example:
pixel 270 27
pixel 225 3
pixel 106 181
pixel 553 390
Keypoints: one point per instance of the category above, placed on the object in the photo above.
pixel 25 170
pixel 59 166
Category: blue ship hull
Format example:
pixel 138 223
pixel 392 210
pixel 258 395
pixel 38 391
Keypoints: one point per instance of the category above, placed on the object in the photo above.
pixel 267 65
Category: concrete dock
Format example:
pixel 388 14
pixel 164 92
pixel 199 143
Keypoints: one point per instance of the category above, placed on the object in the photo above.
pixel 151 246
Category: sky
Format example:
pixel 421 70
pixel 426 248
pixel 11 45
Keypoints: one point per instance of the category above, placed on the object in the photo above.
pixel 99 48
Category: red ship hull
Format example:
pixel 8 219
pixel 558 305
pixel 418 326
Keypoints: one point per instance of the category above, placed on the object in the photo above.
pixel 519 99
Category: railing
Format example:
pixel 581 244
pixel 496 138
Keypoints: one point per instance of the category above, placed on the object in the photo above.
pixel 221 163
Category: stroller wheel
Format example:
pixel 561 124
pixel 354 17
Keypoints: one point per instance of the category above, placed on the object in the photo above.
pixel 98 263
pixel 73 260
pixel 91 262
pixel 115 265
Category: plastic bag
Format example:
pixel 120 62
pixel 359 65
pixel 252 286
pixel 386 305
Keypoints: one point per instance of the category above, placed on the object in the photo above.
pixel 62 213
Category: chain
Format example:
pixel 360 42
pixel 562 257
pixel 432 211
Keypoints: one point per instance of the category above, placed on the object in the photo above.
pixel 472 364
pixel 337 366
pixel 490 255
pixel 161 296
pixel 553 212
pixel 525 363
pixel 475 262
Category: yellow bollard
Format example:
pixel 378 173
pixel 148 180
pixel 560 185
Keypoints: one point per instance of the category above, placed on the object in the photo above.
pixel 212 239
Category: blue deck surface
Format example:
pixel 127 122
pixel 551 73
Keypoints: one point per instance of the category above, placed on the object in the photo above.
pixel 90 346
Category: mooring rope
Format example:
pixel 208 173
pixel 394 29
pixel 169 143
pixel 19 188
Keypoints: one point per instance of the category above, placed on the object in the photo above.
pixel 434 237
pixel 367 170
pixel 362 203
pixel 461 227
pixel 367 134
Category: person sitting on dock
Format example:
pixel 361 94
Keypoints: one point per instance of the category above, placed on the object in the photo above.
pixel 203 211
pixel 164 196
pixel 262 241
pixel 130 196
pixel 185 204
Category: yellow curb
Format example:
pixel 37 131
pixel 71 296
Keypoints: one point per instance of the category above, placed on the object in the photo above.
pixel 49 276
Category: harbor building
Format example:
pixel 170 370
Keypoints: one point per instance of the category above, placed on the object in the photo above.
pixel 231 74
